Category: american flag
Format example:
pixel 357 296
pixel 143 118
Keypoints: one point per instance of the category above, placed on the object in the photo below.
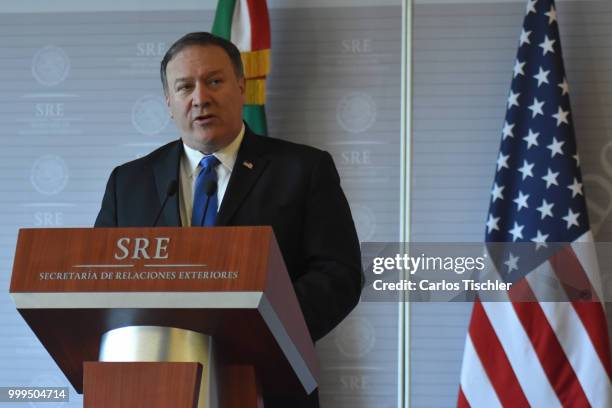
pixel 540 354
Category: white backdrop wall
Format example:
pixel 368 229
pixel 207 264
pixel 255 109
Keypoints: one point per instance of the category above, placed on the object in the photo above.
pixel 80 93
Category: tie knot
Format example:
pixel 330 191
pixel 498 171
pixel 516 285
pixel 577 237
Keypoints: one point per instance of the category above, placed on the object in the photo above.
pixel 209 162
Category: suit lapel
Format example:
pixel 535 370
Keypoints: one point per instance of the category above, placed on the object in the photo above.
pixel 249 165
pixel 166 169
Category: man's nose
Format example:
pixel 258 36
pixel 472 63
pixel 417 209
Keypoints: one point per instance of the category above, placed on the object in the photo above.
pixel 201 97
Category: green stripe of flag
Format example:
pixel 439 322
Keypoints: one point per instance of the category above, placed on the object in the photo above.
pixel 255 117
pixel 222 26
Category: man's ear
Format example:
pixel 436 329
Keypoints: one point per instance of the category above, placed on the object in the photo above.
pixel 242 86
pixel 167 98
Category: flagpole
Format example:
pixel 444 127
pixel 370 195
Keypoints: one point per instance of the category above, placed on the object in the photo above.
pixel 403 394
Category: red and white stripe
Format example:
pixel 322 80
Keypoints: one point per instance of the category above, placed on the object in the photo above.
pixel 241 26
pixel 541 354
pixel 250 29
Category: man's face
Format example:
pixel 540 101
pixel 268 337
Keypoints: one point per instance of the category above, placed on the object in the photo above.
pixel 205 97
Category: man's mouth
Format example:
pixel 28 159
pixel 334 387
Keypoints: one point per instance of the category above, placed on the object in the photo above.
pixel 203 119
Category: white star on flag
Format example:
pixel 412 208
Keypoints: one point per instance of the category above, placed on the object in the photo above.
pixel 564 87
pixel 516 232
pixel 576 188
pixel 536 108
pixel 547 45
pixel 507 130
pixel 502 161
pixel 521 201
pixel 492 223
pixel 540 240
pixel 513 99
pixel 551 178
pixel 531 139
pixel 561 116
pixel 531 7
pixel 552 15
pixel 526 169
pixel 571 218
pixel 511 262
pixel 545 209
pixel 542 77
pixel 518 68
pixel 497 192
pixel 555 147
pixel 525 37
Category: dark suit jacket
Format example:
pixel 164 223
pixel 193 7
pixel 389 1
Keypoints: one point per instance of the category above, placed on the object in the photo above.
pixel 294 188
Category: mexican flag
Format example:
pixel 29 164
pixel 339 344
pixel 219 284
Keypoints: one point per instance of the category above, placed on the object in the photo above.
pixel 247 25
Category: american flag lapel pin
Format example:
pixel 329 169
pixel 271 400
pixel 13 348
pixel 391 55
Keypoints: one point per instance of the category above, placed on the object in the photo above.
pixel 247 164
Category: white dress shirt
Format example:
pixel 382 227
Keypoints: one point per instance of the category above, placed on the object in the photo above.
pixel 190 168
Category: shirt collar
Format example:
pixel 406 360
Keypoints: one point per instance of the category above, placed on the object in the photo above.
pixel 227 155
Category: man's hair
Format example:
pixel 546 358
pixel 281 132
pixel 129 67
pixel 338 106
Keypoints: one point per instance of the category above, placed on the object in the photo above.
pixel 201 39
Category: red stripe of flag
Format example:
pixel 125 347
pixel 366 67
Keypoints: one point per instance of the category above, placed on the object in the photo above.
pixel 462 402
pixel 593 318
pixel 494 360
pixel 260 25
pixel 574 279
pixel 555 364
pixel 520 291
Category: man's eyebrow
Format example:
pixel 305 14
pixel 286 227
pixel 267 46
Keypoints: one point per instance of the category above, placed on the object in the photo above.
pixel 177 80
pixel 214 72
pixel 208 74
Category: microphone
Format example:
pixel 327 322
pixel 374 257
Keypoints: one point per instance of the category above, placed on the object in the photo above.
pixel 170 191
pixel 210 188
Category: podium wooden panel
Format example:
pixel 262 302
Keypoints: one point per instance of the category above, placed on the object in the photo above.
pixel 227 282
pixel 158 385
pixel 240 387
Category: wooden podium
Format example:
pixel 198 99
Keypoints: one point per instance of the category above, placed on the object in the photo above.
pixel 74 285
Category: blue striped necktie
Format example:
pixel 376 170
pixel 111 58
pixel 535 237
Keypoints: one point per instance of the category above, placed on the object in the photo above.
pixel 207 175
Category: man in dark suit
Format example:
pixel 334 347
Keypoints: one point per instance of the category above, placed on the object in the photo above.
pixel 261 181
